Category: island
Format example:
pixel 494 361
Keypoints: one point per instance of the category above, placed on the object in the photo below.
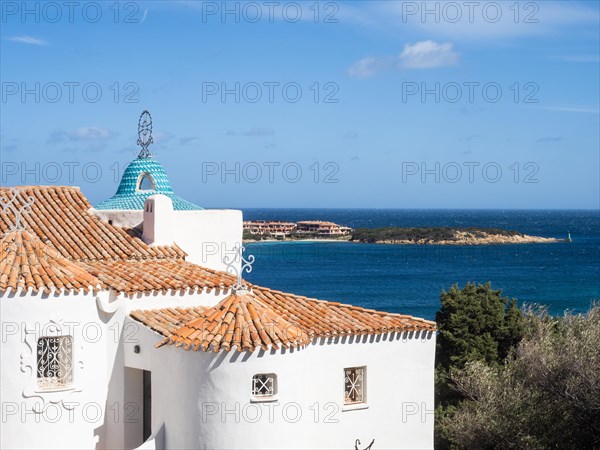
pixel 445 236
pixel 328 231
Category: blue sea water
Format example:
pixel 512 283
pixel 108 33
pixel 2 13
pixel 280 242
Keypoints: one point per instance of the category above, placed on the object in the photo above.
pixel 409 278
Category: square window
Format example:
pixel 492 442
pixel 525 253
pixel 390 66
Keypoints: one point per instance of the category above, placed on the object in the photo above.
pixel 264 385
pixel 54 362
pixel 355 385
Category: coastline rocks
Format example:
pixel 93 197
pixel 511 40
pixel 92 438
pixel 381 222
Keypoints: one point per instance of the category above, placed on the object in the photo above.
pixel 465 238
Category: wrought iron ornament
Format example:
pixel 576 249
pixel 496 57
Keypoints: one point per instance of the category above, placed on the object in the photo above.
pixel 145 134
pixel 357 443
pixel 354 385
pixel 55 362
pixel 245 265
pixel 263 385
pixel 10 206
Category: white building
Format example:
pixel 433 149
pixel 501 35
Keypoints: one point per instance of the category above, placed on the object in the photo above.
pixel 121 329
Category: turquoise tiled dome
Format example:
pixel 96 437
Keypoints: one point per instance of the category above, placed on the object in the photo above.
pixel 142 178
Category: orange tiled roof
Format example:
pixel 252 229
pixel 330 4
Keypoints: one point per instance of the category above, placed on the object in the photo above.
pixel 165 321
pixel 27 263
pixel 324 318
pixel 223 325
pixel 67 247
pixel 60 217
pixel 240 321
pixel 132 277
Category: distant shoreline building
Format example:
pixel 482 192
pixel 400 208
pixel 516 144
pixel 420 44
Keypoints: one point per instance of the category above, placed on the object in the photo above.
pixel 322 228
pixel 270 228
pixel 280 229
pixel 132 328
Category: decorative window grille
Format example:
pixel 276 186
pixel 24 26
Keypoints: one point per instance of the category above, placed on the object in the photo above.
pixel 355 385
pixel 54 362
pixel 264 385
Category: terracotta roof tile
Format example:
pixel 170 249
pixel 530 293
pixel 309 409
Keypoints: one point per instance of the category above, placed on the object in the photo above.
pixel 289 319
pixel 60 217
pixel 323 318
pixel 29 264
pixel 132 277
pixel 165 321
pixel 67 247
pixel 241 321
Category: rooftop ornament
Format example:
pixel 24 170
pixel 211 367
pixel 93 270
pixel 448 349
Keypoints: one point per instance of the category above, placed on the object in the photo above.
pixel 11 206
pixel 145 134
pixel 246 265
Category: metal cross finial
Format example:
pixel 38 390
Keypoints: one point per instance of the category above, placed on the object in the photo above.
pixel 10 206
pixel 246 265
pixel 145 134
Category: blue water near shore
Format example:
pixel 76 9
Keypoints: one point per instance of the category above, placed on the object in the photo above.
pixel 409 278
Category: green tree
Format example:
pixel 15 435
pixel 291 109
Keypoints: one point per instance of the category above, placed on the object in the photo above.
pixel 475 323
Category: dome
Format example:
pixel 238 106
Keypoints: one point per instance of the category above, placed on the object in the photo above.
pixel 142 178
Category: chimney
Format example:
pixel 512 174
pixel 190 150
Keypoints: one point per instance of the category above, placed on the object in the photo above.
pixel 158 223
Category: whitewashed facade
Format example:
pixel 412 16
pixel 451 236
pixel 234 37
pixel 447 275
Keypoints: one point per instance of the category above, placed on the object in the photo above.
pixel 89 358
pixel 203 399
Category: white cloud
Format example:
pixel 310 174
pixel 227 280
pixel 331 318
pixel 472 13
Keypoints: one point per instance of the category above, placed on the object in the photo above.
pixel 80 134
pixel 259 131
pixel 420 55
pixel 486 20
pixel 427 55
pixel 547 139
pixel 162 137
pixel 25 39
pixel 188 139
pixel 581 58
pixel 89 134
pixel 572 109
pixel 366 67
pixel 254 131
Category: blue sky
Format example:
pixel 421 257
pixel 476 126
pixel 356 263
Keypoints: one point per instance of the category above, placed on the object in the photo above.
pixel 509 118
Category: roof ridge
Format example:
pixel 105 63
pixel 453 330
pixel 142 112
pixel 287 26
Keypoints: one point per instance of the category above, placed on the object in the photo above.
pixel 343 305
pixel 61 214
pixel 41 186
pixel 27 263
pixel 239 320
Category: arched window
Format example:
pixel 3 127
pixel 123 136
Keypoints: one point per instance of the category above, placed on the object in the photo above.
pixel 146 182
pixel 54 362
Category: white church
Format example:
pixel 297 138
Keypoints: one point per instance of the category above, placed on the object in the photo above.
pixel 129 325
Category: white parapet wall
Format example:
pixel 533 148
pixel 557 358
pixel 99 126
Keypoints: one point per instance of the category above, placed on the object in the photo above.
pixel 207 235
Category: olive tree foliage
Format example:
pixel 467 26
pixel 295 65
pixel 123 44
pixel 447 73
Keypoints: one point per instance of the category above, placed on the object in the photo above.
pixel 546 395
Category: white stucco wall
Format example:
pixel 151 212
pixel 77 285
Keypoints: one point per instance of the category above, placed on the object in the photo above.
pixel 208 235
pixel 68 418
pixel 203 400
pixel 97 412
pixel 205 235
pixel 124 432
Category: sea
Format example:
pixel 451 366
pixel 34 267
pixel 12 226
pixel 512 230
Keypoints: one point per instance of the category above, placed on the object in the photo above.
pixel 409 279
